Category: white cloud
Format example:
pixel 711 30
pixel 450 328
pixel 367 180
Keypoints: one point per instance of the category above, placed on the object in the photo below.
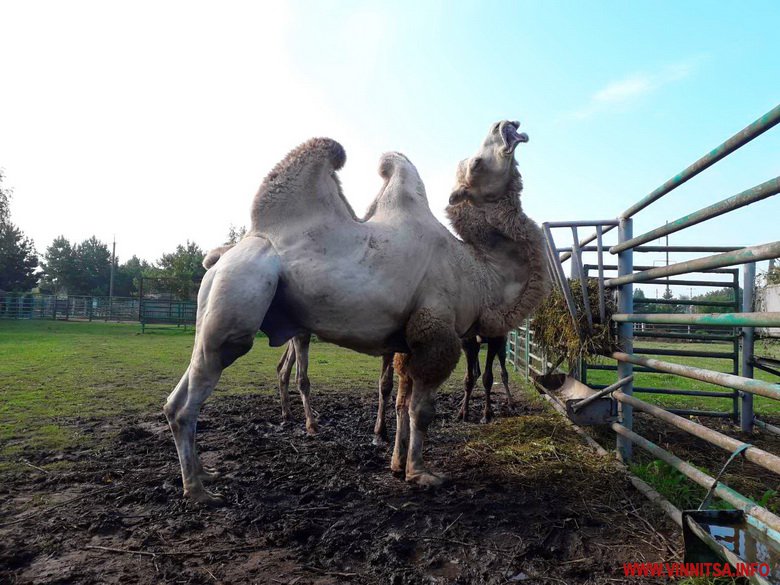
pixel 633 87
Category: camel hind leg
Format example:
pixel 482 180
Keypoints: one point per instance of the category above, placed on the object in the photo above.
pixel 283 371
pixel 402 401
pixel 301 347
pixel 385 390
pixel 471 349
pixel 232 303
pixel 504 373
pixel 487 379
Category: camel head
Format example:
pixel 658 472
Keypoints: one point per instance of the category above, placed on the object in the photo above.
pixel 487 176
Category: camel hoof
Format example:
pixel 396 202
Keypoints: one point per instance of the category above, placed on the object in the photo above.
pixel 486 418
pixel 397 467
pixel 312 428
pixel 379 441
pixel 205 497
pixel 463 415
pixel 426 479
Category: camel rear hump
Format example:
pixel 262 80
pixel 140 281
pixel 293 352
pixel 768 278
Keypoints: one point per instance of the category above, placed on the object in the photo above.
pixel 303 184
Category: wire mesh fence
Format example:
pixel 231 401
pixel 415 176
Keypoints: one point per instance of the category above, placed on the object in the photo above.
pixel 76 308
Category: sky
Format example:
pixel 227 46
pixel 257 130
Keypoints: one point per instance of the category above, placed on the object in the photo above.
pixel 155 122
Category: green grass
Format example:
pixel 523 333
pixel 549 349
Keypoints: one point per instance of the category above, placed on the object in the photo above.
pixel 53 372
pixel 761 404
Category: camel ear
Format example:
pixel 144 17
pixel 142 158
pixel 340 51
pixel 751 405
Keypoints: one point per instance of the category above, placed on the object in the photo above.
pixel 459 196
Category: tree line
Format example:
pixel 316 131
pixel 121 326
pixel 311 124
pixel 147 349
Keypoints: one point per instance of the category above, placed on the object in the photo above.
pixel 84 268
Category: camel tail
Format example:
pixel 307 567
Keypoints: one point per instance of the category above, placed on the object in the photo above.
pixel 214 255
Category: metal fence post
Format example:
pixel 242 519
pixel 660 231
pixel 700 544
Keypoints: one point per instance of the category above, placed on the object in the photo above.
pixel 748 341
pixel 625 334
pixel 737 307
pixel 527 348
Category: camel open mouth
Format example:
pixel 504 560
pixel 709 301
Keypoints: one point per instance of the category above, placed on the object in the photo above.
pixel 510 136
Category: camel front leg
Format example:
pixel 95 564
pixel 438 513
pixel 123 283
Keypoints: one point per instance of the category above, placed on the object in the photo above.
pixel 421 413
pixel 471 349
pixel 402 401
pixel 435 348
pixel 301 345
pixel 385 390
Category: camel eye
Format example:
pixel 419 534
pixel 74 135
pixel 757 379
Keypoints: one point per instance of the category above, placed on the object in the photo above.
pixel 495 126
pixel 476 163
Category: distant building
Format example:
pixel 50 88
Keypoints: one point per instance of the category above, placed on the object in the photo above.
pixel 768 299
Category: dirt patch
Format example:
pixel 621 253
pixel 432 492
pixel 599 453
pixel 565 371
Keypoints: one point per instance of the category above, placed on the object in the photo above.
pixel 526 503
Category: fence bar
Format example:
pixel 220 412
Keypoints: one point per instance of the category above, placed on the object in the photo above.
pixel 721 284
pixel 676 392
pixel 713 319
pixel 721 490
pixel 564 283
pixel 757 193
pixel 748 341
pixel 619 384
pixel 719 378
pixel 602 294
pixel 739 139
pixel 752 454
pixel 707 413
pixel 577 261
pixel 766 426
pixel 766 364
pixel 673 391
pixel 684 353
pixel 582 223
pixel 692 336
pixel 638 268
pixel 742 256
pixel 710 249
pixel 625 303
pixel 692 302
pixel 610 368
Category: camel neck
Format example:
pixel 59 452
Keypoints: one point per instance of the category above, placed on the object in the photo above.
pixel 509 247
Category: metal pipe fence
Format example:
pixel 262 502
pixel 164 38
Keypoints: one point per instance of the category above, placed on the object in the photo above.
pixel 81 308
pixel 738 322
pixel 97 308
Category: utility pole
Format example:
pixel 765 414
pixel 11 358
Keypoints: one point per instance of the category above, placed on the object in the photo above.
pixel 111 280
pixel 668 290
pixel 113 262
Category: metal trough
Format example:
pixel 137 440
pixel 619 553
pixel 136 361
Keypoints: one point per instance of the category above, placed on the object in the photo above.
pixel 570 392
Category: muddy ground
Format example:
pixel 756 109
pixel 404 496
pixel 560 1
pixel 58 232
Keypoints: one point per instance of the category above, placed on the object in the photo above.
pixel 525 504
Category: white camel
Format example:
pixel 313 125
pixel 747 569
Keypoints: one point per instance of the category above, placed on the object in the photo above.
pixel 400 282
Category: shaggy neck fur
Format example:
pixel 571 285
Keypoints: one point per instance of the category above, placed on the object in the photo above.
pixel 511 245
